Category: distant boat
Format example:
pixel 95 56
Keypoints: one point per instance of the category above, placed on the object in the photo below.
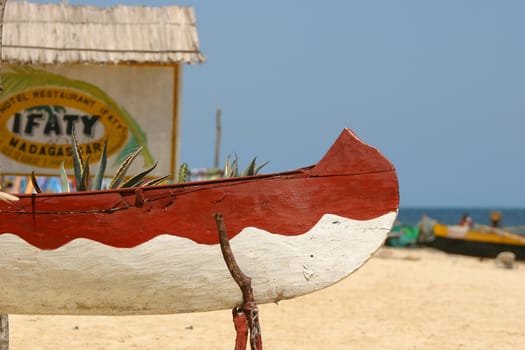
pixel 154 250
pixel 402 236
pixel 478 240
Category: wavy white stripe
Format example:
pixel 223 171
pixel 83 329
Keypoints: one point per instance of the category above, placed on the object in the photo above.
pixel 174 275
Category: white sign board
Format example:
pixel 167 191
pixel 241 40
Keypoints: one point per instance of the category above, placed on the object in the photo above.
pixel 130 106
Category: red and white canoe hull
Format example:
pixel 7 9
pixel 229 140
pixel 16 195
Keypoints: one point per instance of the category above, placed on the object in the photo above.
pixel 169 274
pixel 152 250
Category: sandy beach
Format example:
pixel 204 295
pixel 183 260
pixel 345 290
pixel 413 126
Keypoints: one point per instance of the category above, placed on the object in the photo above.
pixel 400 299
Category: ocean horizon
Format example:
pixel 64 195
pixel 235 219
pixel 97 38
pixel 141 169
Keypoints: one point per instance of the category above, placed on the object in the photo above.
pixel 451 215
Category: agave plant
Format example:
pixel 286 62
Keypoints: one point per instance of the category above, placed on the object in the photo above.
pixel 231 168
pixel 184 173
pixel 82 171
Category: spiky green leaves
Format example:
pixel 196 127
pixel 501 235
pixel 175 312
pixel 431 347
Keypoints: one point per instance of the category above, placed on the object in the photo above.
pixel 99 177
pixel 80 166
pixel 64 181
pixel 122 170
pixel 138 179
pixel 231 168
pixel 82 171
pixel 253 169
pixel 184 173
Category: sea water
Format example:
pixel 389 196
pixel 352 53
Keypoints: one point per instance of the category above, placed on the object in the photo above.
pixel 451 216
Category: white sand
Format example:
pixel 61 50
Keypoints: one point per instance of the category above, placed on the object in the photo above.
pixel 401 299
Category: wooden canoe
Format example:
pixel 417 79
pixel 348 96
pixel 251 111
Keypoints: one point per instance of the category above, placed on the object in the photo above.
pixel 479 240
pixel 154 250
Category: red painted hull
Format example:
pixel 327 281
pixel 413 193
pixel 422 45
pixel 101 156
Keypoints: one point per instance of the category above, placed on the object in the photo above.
pixel 353 180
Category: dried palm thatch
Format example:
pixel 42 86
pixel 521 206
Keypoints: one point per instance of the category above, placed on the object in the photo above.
pixel 61 33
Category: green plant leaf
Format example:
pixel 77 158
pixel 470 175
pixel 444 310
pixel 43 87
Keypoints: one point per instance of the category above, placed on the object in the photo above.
pixel 84 179
pixel 156 181
pixel 250 170
pixel 135 180
pixel 99 177
pixel 121 172
pixel 227 166
pixel 231 169
pixel 64 181
pixel 184 173
pixel 78 161
pixel 130 147
pixel 258 168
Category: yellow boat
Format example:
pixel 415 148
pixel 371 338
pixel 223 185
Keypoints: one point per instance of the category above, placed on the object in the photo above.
pixel 476 240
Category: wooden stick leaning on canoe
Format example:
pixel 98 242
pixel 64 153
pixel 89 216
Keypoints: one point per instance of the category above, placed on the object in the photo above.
pixel 246 316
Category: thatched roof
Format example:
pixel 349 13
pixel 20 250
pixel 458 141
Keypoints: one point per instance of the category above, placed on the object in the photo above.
pixel 62 33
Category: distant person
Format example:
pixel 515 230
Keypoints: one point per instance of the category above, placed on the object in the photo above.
pixel 495 218
pixel 466 220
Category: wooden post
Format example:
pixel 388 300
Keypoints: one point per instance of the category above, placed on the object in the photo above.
pixel 217 138
pixel 2 10
pixel 4 319
pixel 4 332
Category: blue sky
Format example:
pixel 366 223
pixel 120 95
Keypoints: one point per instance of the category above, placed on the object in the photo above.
pixel 437 86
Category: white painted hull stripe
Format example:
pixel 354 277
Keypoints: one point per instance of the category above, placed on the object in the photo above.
pixel 169 274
